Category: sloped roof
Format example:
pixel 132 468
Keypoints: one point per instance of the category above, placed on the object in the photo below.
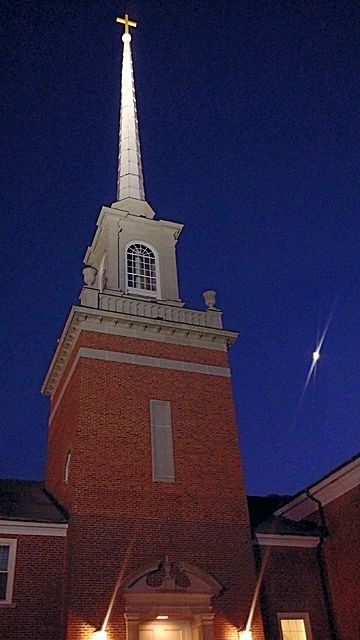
pixel 28 501
pixel 262 520
pixel 330 487
pixel 284 526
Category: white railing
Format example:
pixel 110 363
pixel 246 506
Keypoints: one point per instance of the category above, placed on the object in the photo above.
pixel 160 311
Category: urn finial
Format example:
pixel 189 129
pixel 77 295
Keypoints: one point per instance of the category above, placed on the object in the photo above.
pixel 210 298
pixel 89 274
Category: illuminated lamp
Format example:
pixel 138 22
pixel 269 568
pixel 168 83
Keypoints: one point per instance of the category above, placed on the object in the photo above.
pixel 99 635
pixel 245 635
pixel 162 617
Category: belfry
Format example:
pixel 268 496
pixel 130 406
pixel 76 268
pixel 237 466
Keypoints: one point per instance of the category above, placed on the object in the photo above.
pixel 141 530
pixel 142 425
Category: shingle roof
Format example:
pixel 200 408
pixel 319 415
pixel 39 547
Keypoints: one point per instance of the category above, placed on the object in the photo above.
pixel 262 520
pixel 284 526
pixel 28 500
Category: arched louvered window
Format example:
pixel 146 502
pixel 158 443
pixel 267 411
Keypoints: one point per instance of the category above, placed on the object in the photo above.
pixel 141 268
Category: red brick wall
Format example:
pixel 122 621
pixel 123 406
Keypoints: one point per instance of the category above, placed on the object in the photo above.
pixel 152 348
pixel 140 347
pixel 342 557
pixel 292 584
pixel 61 439
pixel 37 591
pixel 97 547
pixel 104 417
pixel 112 459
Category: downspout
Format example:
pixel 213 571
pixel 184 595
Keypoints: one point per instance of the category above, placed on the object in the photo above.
pixel 322 568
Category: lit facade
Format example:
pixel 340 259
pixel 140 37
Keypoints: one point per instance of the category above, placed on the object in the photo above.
pixel 141 530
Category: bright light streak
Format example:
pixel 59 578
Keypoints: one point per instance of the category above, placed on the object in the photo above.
pixel 247 634
pixel 316 353
pixel 117 585
pixel 315 359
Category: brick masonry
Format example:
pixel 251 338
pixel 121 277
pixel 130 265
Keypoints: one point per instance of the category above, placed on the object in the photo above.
pixel 63 588
pixel 292 585
pixel 342 561
pixel 104 419
pixel 38 590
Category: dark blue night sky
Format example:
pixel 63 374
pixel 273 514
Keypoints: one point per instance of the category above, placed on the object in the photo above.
pixel 249 122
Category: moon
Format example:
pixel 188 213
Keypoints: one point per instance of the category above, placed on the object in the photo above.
pixel 314 361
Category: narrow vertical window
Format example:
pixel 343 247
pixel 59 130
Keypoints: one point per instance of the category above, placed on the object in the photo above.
pixel 161 441
pixel 7 569
pixel 141 268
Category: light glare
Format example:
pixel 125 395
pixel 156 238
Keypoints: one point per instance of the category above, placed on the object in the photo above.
pixel 315 358
pixel 99 635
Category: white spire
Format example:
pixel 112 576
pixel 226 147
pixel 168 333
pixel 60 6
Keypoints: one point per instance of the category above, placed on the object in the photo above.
pixel 130 175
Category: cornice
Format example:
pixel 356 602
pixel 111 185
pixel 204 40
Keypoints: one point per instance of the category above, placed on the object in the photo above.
pixel 278 540
pixel 24 528
pixel 89 319
pixel 108 213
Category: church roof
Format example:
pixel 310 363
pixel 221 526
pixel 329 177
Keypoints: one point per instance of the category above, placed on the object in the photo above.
pixel 283 526
pixel 263 520
pixel 333 485
pixel 28 501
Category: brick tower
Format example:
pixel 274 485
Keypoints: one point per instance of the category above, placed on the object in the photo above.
pixel 142 448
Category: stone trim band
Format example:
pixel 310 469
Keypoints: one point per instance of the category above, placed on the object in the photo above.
pixel 145 361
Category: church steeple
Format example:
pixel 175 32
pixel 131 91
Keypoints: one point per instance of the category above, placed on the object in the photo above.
pixel 131 255
pixel 141 404
pixel 130 265
pixel 130 182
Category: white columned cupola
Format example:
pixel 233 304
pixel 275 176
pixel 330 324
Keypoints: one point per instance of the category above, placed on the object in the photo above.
pixel 131 255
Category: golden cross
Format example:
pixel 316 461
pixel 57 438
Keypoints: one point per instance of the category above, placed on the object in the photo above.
pixel 128 23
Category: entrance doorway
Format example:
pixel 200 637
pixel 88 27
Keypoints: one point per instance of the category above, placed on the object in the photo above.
pixel 165 630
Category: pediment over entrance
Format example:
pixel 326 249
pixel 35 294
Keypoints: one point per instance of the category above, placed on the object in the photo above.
pixel 167 576
pixel 178 589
